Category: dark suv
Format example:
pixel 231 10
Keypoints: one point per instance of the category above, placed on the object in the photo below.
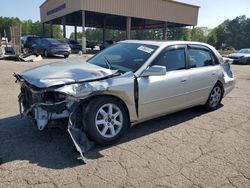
pixel 27 42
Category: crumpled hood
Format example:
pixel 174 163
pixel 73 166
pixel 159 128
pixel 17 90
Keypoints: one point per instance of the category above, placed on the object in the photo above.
pixel 64 73
pixel 238 55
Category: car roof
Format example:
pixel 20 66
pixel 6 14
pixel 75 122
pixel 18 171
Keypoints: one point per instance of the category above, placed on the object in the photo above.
pixel 163 43
pixel 245 49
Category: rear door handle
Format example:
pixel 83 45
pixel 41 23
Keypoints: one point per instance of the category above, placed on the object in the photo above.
pixel 183 80
pixel 214 73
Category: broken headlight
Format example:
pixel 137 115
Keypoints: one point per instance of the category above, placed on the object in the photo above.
pixel 53 97
pixel 83 89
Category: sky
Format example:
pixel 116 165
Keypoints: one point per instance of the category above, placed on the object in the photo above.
pixel 211 14
pixel 214 12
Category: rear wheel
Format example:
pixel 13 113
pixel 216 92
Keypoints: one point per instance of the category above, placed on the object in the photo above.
pixel 215 97
pixel 66 56
pixel 46 54
pixel 106 120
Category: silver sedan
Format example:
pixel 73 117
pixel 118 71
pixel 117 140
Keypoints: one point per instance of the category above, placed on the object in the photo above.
pixel 125 84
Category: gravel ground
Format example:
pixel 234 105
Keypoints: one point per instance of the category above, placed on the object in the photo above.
pixel 192 148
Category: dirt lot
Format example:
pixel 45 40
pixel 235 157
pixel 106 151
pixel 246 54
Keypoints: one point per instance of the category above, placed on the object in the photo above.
pixel 191 148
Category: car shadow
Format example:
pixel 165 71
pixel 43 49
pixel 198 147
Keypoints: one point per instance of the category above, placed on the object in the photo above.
pixel 152 126
pixel 54 148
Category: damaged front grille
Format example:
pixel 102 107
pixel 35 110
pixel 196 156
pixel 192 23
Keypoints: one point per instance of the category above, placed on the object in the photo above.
pixel 29 97
pixel 43 106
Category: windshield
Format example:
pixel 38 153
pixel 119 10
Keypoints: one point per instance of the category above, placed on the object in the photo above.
pixel 124 57
pixel 245 51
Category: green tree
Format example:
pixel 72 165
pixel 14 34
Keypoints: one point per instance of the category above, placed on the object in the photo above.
pixel 212 38
pixel 28 28
pixel 198 34
pixel 235 33
pixel 179 33
pixel 6 23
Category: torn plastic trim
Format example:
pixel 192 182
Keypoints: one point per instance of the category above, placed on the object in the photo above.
pixel 42 117
pixel 42 113
pixel 25 112
pixel 78 136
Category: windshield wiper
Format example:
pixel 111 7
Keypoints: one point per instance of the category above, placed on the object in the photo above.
pixel 107 62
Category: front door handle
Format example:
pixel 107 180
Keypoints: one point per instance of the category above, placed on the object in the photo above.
pixel 184 80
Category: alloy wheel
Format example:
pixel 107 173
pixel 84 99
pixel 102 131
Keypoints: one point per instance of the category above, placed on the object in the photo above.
pixel 109 120
pixel 215 97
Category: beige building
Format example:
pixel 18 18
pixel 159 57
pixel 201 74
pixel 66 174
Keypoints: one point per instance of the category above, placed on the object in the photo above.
pixel 118 14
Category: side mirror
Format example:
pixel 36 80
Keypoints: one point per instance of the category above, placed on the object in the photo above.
pixel 155 70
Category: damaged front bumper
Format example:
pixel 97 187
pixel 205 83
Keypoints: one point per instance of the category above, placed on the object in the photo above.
pixel 42 114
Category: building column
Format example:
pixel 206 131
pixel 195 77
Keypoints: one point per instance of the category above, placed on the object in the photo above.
pixel 128 28
pixel 104 30
pixel 76 32
pixel 64 27
pixel 84 42
pixel 164 31
pixel 51 29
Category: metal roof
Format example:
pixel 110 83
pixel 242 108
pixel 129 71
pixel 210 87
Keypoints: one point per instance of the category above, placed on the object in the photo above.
pixel 144 13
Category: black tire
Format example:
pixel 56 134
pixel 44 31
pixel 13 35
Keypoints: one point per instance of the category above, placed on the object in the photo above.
pixel 46 54
pixel 215 97
pixel 66 56
pixel 91 115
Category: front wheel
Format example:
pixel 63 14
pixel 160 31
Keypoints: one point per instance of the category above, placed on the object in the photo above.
pixel 215 97
pixel 46 54
pixel 105 120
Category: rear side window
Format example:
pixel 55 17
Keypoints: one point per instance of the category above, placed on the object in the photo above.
pixel 172 59
pixel 53 41
pixel 199 58
pixel 45 42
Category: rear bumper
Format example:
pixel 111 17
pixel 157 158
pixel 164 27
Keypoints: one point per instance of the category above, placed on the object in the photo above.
pixel 229 85
pixel 60 52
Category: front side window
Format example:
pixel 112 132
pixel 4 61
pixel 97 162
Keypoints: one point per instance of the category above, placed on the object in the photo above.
pixel 172 59
pixel 124 57
pixel 199 58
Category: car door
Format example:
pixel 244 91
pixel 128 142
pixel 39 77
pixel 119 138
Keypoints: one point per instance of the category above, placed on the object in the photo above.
pixel 37 45
pixel 162 94
pixel 204 73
